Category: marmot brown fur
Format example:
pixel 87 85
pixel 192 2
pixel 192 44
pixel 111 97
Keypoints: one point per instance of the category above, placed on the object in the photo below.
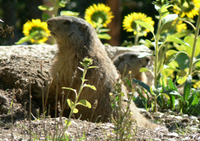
pixel 76 40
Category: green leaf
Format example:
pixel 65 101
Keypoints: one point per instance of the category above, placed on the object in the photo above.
pixel 72 106
pixel 90 86
pixel 197 63
pixel 167 22
pixel 144 70
pixel 195 100
pixel 104 36
pixel 104 30
pixel 171 52
pixel 68 88
pixel 69 13
pixel 141 84
pixel 172 99
pixel 152 88
pixel 190 40
pixel 163 11
pixel 183 60
pixel 93 67
pixel 174 93
pixel 68 123
pixel 187 88
pixel 43 7
pixel 84 103
pixel 50 8
pixel 70 103
pixel 145 25
pixel 165 95
pixel 171 84
pixel 75 111
pixel 62 4
pixel 27 38
pixel 175 39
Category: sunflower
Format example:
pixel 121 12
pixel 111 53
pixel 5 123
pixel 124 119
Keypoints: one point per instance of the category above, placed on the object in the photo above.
pixel 36 25
pixel 197 85
pixel 98 13
pixel 130 26
pixel 187 8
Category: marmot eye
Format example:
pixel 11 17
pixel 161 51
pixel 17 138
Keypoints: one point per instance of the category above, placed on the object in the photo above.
pixel 66 22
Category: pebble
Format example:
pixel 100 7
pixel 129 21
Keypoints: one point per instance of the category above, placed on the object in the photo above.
pixel 185 115
pixel 8 125
pixel 2 124
pixel 170 116
pixel 192 128
pixel 193 118
pixel 178 117
pixel 173 134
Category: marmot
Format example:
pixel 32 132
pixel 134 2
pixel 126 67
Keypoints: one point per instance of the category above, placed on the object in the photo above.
pixel 76 40
pixel 130 61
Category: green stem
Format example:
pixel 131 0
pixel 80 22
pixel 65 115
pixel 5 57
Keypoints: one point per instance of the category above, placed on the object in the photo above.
pixel 194 45
pixel 156 63
pixel 79 93
pixel 157 37
pixel 76 99
pixel 137 35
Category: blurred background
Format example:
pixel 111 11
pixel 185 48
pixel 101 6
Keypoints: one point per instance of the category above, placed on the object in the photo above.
pixel 15 13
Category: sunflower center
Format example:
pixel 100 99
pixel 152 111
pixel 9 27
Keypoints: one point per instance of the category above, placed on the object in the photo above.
pixel 99 15
pixel 40 34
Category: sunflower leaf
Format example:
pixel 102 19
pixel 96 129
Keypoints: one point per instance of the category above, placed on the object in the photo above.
pixel 104 36
pixel 145 25
pixel 27 38
pixel 104 30
pixel 69 13
pixel 43 7
pixel 175 39
pixel 167 22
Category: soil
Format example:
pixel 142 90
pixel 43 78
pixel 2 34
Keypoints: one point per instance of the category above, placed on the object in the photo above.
pixel 24 71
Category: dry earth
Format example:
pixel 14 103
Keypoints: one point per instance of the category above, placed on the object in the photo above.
pixel 21 66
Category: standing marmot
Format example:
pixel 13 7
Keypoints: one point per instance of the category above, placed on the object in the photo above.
pixel 77 39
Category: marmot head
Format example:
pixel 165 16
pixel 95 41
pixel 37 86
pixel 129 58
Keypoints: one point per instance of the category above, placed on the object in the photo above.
pixel 70 31
pixel 130 62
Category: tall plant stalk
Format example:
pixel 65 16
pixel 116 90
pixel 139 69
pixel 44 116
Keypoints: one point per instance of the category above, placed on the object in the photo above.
pixel 194 44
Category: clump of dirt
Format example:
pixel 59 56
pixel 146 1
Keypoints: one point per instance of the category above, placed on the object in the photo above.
pixel 20 75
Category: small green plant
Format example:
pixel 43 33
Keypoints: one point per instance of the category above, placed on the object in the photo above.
pixel 87 62
pixel 122 118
